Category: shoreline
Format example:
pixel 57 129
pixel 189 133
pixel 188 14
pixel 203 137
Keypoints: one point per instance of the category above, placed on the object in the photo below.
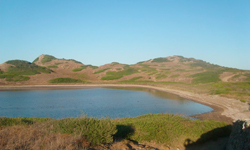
pixel 225 109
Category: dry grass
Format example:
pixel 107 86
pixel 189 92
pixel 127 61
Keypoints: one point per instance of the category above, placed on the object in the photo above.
pixel 30 137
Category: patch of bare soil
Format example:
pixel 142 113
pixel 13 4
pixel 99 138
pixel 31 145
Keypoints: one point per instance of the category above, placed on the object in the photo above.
pixel 4 66
pixel 131 145
pixel 225 76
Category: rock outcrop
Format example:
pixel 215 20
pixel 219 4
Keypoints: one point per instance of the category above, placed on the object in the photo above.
pixel 240 136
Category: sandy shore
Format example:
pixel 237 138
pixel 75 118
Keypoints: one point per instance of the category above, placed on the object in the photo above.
pixel 225 109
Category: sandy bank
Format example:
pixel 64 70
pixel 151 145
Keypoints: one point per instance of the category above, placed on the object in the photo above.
pixel 225 109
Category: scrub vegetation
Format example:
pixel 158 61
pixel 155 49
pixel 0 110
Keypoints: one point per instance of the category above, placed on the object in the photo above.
pixel 177 72
pixel 47 58
pixel 206 77
pixel 65 80
pixel 99 71
pixel 131 80
pixel 165 129
pixel 20 68
pixel 84 67
pixel 53 66
pixel 160 60
pixel 127 70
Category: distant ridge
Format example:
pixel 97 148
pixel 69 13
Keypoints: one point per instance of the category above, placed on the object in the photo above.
pixel 175 71
pixel 168 69
pixel 162 69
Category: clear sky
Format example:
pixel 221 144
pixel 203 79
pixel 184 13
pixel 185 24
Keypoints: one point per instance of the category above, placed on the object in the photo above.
pixel 98 32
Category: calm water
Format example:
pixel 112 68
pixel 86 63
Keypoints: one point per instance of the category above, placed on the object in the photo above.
pixel 97 102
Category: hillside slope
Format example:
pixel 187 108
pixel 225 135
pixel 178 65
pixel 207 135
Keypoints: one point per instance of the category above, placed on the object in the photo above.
pixel 174 71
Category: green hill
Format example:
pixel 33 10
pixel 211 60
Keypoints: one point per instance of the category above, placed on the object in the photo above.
pixel 20 68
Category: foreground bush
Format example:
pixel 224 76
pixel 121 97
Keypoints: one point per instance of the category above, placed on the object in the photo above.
pixel 79 133
pixel 169 128
pixel 65 80
pixel 96 131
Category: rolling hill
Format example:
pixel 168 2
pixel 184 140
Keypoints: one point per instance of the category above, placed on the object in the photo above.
pixel 174 71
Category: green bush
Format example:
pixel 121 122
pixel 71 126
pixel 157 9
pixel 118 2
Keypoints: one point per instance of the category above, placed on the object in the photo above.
pixel 206 77
pixel 53 66
pixel 99 71
pixel 96 131
pixel 20 78
pixel 36 60
pixel 248 77
pixel 78 62
pixel 147 68
pixel 47 58
pixel 239 89
pixel 168 128
pixel 4 121
pixel 84 67
pixel 203 64
pixel 65 80
pixel 20 68
pixel 175 75
pixel 224 90
pixel 159 128
pixel 131 80
pixel 113 75
pixel 114 63
pixel 161 76
pixel 78 69
pixel 242 100
pixel 160 59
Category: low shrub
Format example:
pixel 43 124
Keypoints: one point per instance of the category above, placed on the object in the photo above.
pixel 47 58
pixel 53 66
pixel 4 121
pixel 77 69
pixel 65 80
pixel 20 68
pixel 168 128
pixel 96 131
pixel 175 76
pixel 242 100
pixel 131 80
pixel 36 60
pixel 84 67
pixel 206 77
pixel 160 128
pixel 161 59
pixel 113 75
pixel 99 71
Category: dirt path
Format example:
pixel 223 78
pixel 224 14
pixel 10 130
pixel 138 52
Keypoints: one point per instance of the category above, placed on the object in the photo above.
pixel 226 78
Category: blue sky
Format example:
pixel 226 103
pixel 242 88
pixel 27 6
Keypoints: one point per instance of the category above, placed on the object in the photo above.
pixel 98 32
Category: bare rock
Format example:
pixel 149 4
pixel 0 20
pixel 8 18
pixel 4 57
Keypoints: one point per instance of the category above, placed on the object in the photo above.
pixel 240 136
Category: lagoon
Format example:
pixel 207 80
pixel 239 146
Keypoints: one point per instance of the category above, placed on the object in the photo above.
pixel 95 102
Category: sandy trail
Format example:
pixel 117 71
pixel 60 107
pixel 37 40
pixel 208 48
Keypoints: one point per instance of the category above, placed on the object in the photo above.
pixel 226 78
pixel 228 107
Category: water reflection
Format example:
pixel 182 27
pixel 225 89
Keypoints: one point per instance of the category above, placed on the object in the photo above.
pixel 99 102
pixel 156 93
